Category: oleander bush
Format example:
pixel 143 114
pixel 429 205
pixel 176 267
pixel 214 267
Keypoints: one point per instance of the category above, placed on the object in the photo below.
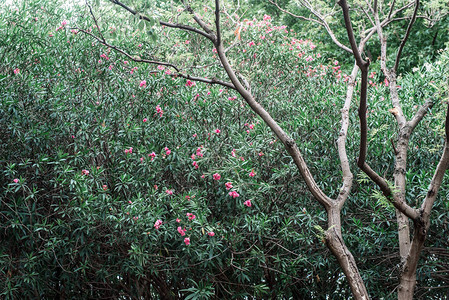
pixel 120 180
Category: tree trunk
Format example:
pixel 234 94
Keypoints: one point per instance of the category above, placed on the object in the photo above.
pixel 335 243
pixel 408 276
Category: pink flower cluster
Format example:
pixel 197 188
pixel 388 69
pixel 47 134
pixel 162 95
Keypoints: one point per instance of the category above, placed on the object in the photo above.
pixel 247 203
pixel 167 151
pixel 158 224
pixel 129 151
pixel 191 216
pixel 190 83
pixel 187 241
pixel 182 231
pixel 234 194
pixel 159 110
pixel 85 172
pixel 216 176
pixel 143 83
pixel 152 155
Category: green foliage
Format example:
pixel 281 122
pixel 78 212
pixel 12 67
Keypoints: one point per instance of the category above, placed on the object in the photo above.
pixel 81 220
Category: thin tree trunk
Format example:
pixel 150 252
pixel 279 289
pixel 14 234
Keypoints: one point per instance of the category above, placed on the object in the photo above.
pixel 335 243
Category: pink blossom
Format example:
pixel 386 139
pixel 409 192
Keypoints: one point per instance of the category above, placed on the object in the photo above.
pixel 111 67
pixel 211 233
pixel 195 164
pixel 152 155
pixel 158 224
pixel 194 135
pixel 191 216
pixel 130 202
pixel 105 187
pixel 169 192
pixel 187 42
pixel 63 23
pixel 167 151
pixel 252 174
pixel 125 62
pixel 16 71
pixel 144 120
pixel 187 241
pixel 247 203
pixel 159 110
pixel 251 44
pixel 140 45
pixel 143 83
pixel 234 194
pixel 216 176
pixel 233 152
pixel 16 180
pixel 85 172
pixel 228 185
pixel 203 176
pixel 318 55
pixel 160 67
pixel 178 220
pixel 141 159
pixel 266 17
pixel 217 130
pixel 190 83
pixel 181 231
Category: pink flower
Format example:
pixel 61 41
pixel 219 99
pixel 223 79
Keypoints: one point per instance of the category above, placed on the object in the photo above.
pixel 125 62
pixel 194 135
pixel 233 152
pixel 190 83
pixel 140 45
pixel 187 241
pixel 234 194
pixel 178 220
pixel 130 202
pixel 16 71
pixel 63 23
pixel 187 42
pixel 181 231
pixel 251 44
pixel 105 187
pixel 141 159
pixel 144 120
pixel 152 155
pixel 216 176
pixel 167 151
pixel 159 110
pixel 211 233
pixel 85 172
pixel 160 67
pixel 130 150
pixel 111 67
pixel 247 203
pixel 169 192
pixel 260 153
pixel 16 180
pixel 252 174
pixel 266 17
pixel 195 164
pixel 191 216
pixel 228 185
pixel 143 83
pixel 158 224
pixel 203 176
pixel 217 130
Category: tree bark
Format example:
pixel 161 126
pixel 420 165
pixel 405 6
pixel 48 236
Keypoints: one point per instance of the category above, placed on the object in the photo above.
pixel 335 243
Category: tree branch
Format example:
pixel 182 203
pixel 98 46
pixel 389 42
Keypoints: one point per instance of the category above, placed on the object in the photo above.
pixel 172 25
pixel 321 22
pixel 155 62
pixel 407 34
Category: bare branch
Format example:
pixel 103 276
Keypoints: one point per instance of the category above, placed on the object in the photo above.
pixel 407 34
pixel 217 22
pixel 421 113
pixel 172 25
pixel 155 62
pixel 321 21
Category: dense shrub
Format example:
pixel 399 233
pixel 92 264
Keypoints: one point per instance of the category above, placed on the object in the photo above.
pixel 121 180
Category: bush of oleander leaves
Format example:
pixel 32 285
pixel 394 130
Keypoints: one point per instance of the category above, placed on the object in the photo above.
pixel 120 179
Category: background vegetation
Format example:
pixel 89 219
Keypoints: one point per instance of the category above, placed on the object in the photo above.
pixel 92 157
